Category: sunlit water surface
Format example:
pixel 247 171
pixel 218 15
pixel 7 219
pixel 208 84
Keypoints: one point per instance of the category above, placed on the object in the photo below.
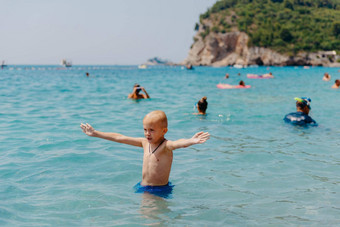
pixel 254 171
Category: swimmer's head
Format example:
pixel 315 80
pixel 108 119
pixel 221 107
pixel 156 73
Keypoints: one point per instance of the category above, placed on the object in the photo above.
pixel 337 82
pixel 158 117
pixel 137 86
pixel 202 104
pixel 241 83
pixel 303 102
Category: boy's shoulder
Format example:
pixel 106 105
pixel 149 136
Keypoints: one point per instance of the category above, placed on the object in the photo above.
pixel 169 145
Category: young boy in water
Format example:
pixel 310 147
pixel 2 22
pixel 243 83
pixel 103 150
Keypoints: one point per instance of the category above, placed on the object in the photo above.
pixel 157 157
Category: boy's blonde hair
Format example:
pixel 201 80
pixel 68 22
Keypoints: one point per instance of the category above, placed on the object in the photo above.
pixel 159 117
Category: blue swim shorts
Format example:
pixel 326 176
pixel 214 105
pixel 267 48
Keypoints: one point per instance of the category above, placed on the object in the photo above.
pixel 164 191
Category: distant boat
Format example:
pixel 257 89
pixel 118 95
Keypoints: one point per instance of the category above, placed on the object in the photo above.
pixel 143 66
pixel 66 63
pixel 238 66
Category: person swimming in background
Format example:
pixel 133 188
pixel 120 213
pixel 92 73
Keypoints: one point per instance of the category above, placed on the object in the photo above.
pixel 326 77
pixel 263 76
pixel 202 106
pixel 336 84
pixel 189 66
pixel 268 75
pixel 241 83
pixel 135 93
pixel 87 74
pixel 158 151
pixel 226 76
pixel 301 117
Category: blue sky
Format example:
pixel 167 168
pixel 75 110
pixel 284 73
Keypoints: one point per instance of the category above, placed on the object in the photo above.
pixel 97 31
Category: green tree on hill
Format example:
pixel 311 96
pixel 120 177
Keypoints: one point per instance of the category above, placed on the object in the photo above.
pixel 287 26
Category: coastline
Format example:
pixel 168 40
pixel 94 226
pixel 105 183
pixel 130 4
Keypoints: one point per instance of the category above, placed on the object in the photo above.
pixel 231 49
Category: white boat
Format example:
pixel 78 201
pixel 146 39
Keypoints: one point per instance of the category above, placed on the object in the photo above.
pixel 238 66
pixel 143 66
pixel 66 63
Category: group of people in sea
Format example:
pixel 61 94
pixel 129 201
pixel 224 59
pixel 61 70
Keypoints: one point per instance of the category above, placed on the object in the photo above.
pixel 241 83
pixel 139 92
pixel 158 151
pixel 300 117
pixel 327 77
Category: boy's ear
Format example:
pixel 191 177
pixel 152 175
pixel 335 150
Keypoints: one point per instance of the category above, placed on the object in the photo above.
pixel 165 130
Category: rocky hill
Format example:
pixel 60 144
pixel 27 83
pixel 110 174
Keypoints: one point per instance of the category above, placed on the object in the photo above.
pixel 268 32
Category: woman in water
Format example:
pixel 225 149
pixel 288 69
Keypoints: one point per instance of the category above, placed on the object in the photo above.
pixel 202 106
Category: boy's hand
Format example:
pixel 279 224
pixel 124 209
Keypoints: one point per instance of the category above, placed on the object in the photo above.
pixel 87 129
pixel 200 137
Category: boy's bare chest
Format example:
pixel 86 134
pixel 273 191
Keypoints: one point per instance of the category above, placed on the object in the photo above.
pixel 159 157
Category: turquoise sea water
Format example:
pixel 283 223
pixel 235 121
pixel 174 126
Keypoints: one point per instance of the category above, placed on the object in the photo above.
pixel 254 171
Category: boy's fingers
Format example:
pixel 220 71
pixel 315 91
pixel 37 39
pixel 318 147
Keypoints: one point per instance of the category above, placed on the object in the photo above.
pixel 206 134
pixel 205 137
pixel 198 134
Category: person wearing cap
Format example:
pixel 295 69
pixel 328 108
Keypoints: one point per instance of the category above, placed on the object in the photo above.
pixel 135 93
pixel 301 117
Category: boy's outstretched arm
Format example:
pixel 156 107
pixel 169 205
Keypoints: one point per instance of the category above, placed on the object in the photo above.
pixel 199 137
pixel 116 137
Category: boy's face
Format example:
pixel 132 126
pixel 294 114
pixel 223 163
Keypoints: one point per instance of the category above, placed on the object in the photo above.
pixel 153 131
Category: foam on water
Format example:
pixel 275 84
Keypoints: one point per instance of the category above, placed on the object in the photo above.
pixel 255 169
